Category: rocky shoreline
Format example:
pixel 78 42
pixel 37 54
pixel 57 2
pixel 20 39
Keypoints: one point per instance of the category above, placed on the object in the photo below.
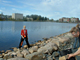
pixel 41 50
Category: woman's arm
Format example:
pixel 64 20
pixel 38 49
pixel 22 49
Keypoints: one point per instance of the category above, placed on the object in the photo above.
pixel 76 53
pixel 21 34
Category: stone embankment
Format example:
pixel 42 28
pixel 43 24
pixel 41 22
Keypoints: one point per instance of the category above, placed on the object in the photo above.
pixel 41 50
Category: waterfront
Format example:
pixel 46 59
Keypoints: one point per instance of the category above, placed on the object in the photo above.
pixel 10 31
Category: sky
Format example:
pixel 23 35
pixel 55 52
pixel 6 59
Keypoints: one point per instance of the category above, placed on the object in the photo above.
pixel 53 9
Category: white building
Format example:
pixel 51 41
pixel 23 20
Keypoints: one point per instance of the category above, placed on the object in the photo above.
pixel 74 19
pixel 29 19
pixel 17 16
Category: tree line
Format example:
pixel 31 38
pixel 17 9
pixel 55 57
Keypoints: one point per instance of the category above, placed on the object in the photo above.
pixel 36 18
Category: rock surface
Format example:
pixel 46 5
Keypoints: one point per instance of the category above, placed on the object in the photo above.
pixel 1 59
pixel 17 58
pixel 25 52
pixel 33 49
pixel 25 46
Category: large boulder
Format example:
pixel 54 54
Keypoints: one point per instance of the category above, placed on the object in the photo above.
pixel 0 55
pixel 56 54
pixel 56 41
pixel 35 56
pixel 25 52
pixel 2 51
pixel 20 55
pixel 8 51
pixel 15 49
pixel 48 48
pixel 63 39
pixel 33 49
pixel 50 58
pixel 62 58
pixel 18 51
pixel 69 35
pixel 7 56
pixel 17 58
pixel 1 59
pixel 13 54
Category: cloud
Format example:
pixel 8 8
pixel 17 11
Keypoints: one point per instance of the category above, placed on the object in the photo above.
pixel 13 9
pixel 0 10
pixel 50 8
pixel 4 1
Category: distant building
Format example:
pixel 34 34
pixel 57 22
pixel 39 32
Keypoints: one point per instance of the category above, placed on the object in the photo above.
pixel 29 19
pixel 8 16
pixel 60 20
pixel 74 19
pixel 2 16
pixel 64 19
pixel 17 16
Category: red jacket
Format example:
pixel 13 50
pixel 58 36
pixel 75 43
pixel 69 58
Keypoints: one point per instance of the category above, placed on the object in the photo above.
pixel 22 32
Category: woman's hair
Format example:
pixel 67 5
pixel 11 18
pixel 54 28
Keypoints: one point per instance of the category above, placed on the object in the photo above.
pixel 77 25
pixel 74 29
pixel 24 26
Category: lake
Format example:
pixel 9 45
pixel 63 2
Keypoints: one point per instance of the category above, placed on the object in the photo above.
pixel 10 31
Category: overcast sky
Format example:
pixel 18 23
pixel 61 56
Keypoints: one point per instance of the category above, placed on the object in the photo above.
pixel 54 9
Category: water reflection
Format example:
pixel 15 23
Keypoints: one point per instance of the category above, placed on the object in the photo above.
pixel 10 31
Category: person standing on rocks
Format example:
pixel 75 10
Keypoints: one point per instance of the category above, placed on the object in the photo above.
pixel 75 32
pixel 76 42
pixel 24 35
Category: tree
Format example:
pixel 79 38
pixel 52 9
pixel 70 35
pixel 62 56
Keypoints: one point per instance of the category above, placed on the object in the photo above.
pixel 37 17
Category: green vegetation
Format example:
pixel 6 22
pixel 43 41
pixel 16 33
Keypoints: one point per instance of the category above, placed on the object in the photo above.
pixel 35 18
pixel 27 18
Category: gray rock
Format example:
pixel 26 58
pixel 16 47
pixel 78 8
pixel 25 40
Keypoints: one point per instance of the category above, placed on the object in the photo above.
pixel 69 35
pixel 35 56
pixel 18 51
pixel 20 55
pixel 50 58
pixel 54 58
pixel 7 51
pixel 1 59
pixel 13 54
pixel 3 54
pixel 17 58
pixel 47 48
pixel 33 49
pixel 45 38
pixel 0 56
pixel 7 56
pixel 39 41
pixel 55 54
pixel 25 46
pixel 25 52
pixel 56 41
pixel 2 51
pixel 15 49
pixel 63 39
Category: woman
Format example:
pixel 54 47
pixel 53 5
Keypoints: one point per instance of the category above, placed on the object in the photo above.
pixel 76 33
pixel 76 42
pixel 24 35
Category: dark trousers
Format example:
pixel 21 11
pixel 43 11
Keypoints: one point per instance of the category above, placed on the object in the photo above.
pixel 21 42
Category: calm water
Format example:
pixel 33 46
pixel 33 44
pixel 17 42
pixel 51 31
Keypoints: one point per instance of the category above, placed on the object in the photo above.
pixel 10 31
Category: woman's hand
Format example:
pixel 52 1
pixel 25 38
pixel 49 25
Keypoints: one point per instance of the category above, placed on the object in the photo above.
pixel 70 55
pixel 22 37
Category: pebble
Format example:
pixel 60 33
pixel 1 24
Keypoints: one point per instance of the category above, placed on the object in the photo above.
pixel 25 46
pixel 56 54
